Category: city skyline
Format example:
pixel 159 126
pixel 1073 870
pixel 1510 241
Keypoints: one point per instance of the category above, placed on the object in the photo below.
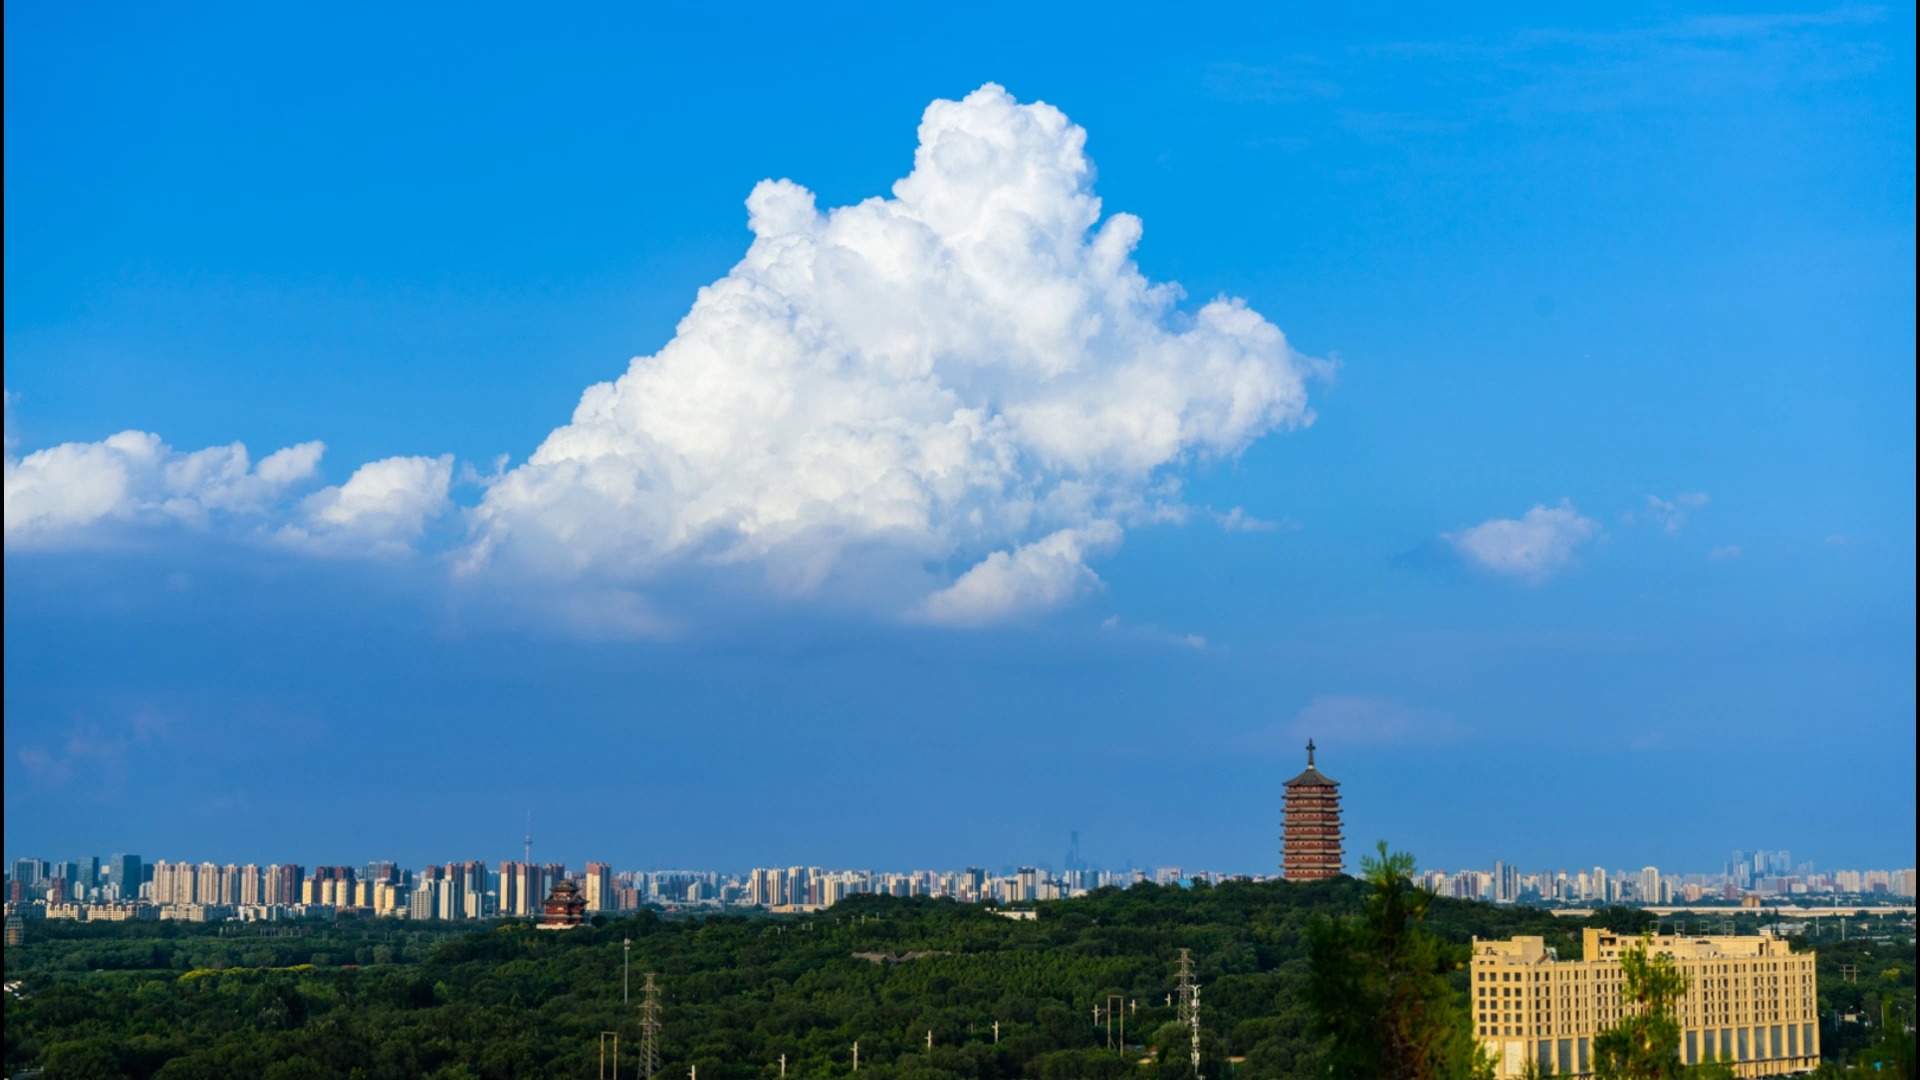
pixel 811 444
pixel 1760 871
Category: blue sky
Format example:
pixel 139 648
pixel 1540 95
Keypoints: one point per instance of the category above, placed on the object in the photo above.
pixel 1574 516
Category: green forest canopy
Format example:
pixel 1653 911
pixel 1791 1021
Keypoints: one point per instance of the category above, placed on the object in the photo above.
pixel 386 998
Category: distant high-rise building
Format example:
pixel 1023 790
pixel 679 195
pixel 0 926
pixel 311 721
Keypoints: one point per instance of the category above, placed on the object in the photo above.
pixel 253 885
pixel 1649 889
pixel 283 883
pixel 206 884
pixel 425 902
pixel 124 875
pixel 509 889
pixel 599 886
pixel 523 887
pixel 471 877
pixel 453 896
pixel 175 883
pixel 1027 883
pixel 389 898
pixel 1310 841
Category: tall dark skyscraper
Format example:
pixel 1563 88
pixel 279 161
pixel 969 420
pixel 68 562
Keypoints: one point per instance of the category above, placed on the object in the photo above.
pixel 124 873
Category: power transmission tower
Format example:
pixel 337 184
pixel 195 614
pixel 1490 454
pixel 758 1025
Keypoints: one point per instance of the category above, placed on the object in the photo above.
pixel 1190 1007
pixel 649 1027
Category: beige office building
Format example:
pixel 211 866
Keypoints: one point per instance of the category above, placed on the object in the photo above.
pixel 1749 1001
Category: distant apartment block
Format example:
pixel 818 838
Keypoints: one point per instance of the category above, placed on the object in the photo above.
pixel 1749 1002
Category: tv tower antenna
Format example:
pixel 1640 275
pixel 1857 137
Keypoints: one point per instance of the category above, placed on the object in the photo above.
pixel 1190 1007
pixel 649 1027
pixel 528 839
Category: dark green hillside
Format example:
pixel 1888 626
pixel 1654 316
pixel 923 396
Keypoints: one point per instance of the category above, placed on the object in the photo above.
pixel 507 1001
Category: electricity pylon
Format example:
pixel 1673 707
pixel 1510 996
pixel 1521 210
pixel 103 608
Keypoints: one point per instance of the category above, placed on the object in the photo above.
pixel 649 1027
pixel 1190 1007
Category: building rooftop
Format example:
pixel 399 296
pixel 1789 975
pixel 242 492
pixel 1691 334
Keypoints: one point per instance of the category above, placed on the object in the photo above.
pixel 1312 777
pixel 1607 945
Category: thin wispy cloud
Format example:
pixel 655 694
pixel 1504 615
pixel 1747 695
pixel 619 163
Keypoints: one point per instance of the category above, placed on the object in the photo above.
pixel 1148 632
pixel 1238 520
pixel 92 753
pixel 1297 78
pixel 1546 72
pixel 1671 514
pixel 1358 720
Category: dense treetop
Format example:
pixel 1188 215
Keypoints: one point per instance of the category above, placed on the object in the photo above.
pixel 377 999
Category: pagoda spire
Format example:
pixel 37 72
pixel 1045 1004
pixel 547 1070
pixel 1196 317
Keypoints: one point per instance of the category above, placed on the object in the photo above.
pixel 1309 753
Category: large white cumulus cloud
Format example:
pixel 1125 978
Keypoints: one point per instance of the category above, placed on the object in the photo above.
pixel 972 372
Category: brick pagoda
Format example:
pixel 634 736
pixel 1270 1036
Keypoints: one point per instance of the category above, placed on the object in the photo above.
pixel 1310 838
